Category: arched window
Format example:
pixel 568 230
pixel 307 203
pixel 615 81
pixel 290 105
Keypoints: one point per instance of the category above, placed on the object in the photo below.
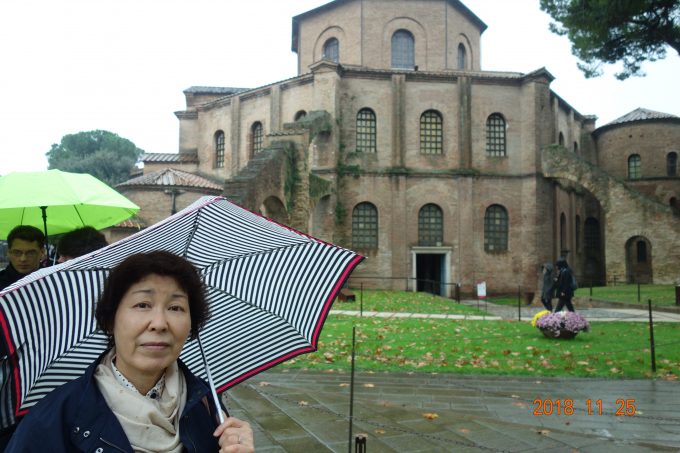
pixel 575 148
pixel 496 229
pixel 219 149
pixel 430 225
pixel 299 115
pixel 431 135
pixel 366 141
pixel 560 139
pixel 577 233
pixel 256 132
pixel 672 163
pixel 634 167
pixel 461 57
pixel 331 50
pixel 403 50
pixel 563 232
pixel 495 135
pixel 365 226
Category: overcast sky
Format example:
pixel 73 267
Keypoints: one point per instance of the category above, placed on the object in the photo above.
pixel 121 65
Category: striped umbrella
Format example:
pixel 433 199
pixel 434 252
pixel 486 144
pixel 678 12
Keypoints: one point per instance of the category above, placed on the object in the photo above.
pixel 269 287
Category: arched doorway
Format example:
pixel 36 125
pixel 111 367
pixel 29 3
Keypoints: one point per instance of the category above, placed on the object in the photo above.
pixel 639 260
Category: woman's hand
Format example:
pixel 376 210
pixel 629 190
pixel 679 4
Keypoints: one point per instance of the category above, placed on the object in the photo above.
pixel 235 436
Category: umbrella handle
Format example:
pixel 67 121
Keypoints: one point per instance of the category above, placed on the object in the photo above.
pixel 210 381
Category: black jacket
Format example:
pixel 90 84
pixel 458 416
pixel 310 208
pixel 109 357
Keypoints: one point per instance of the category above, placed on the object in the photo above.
pixel 563 286
pixel 75 418
pixel 9 275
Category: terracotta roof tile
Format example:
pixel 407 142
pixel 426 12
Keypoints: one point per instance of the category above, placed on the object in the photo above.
pixel 185 158
pixel 640 114
pixel 171 177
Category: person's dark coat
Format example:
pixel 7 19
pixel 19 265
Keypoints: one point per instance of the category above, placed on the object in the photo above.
pixel 563 285
pixel 548 289
pixel 9 275
pixel 76 418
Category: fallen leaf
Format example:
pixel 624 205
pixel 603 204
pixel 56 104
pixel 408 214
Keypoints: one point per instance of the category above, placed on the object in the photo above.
pixel 303 403
pixel 379 431
pixel 463 430
pixel 369 386
pixel 543 432
pixel 264 384
pixel 430 415
pixel 344 384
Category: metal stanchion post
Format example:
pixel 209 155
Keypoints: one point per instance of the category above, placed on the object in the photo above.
pixel 519 303
pixel 360 444
pixel 651 335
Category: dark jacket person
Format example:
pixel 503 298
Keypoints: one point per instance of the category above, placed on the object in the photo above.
pixel 138 396
pixel 564 285
pixel 26 248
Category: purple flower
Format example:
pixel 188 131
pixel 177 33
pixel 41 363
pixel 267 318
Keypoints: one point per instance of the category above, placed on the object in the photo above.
pixel 568 320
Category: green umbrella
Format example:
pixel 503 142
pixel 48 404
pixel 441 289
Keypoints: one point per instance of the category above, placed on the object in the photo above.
pixel 59 202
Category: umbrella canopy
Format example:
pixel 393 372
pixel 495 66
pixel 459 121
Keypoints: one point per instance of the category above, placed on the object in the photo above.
pixel 269 288
pixel 71 200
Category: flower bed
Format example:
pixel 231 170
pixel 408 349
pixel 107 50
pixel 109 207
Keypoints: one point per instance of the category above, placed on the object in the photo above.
pixel 563 325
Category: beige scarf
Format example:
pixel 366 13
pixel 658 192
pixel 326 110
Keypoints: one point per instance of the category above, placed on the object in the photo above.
pixel 150 425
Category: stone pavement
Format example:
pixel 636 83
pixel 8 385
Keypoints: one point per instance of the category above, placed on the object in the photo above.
pixel 304 411
pixel 298 411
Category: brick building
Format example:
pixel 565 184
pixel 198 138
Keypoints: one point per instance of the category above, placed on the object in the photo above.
pixel 392 140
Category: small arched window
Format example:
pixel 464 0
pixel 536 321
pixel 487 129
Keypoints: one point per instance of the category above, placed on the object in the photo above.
pixel 365 226
pixel 591 235
pixel 560 139
pixel 219 149
pixel 366 132
pixel 634 167
pixel 462 60
pixel 403 50
pixel 672 164
pixel 495 135
pixel 496 229
pixel 575 148
pixel 299 115
pixel 257 136
pixel 563 232
pixel 331 50
pixel 577 233
pixel 430 225
pixel 431 132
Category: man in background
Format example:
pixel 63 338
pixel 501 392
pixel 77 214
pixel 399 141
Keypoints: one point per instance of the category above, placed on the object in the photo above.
pixel 26 248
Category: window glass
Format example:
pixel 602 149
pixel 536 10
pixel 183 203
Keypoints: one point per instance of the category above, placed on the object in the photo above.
pixel 634 167
pixel 366 141
pixel 431 136
pixel 430 225
pixel 403 53
pixel 365 226
pixel 331 50
pixel 219 149
pixel 495 135
pixel 496 229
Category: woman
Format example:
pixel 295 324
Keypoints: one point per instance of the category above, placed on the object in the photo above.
pixel 548 289
pixel 564 285
pixel 138 396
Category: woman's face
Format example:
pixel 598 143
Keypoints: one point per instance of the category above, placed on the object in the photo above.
pixel 150 328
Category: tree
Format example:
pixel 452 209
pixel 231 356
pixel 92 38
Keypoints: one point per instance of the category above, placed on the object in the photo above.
pixel 608 31
pixel 102 154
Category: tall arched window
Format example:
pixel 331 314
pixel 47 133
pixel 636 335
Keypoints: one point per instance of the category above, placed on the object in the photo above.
pixel 634 167
pixel 366 140
pixel 495 135
pixel 577 233
pixel 496 229
pixel 365 226
pixel 331 50
pixel 256 132
pixel 672 164
pixel 219 149
pixel 430 225
pixel 560 139
pixel 403 50
pixel 575 148
pixel 431 134
pixel 641 251
pixel 461 56
pixel 299 115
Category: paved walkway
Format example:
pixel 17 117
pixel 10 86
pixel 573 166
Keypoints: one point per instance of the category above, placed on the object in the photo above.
pixel 300 411
pixel 303 411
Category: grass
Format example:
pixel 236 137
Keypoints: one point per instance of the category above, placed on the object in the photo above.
pixel 406 302
pixel 661 295
pixel 610 350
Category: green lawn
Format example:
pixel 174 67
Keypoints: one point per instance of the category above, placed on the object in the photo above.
pixel 405 302
pixel 661 295
pixel 610 350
